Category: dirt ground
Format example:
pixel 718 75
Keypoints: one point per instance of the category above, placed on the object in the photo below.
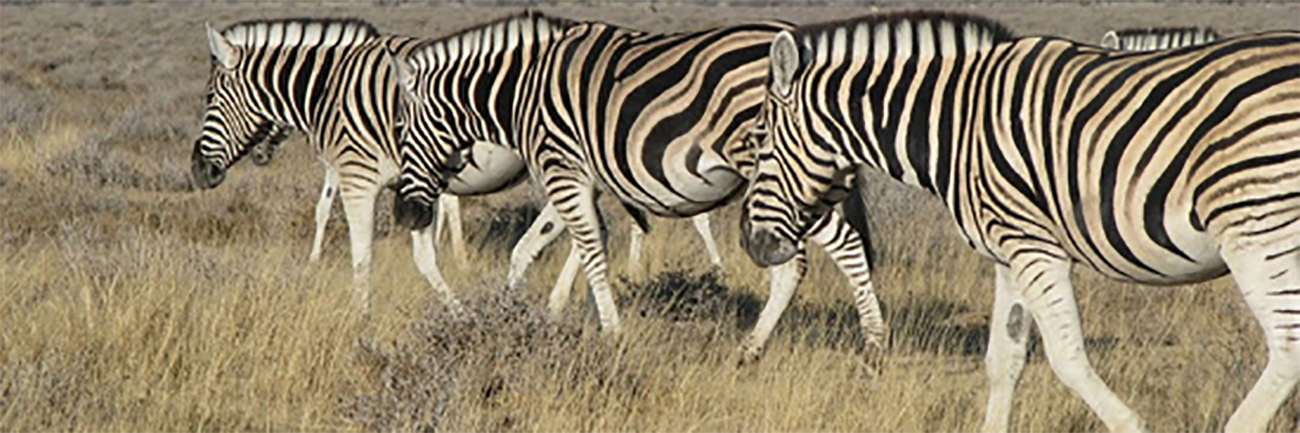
pixel 129 301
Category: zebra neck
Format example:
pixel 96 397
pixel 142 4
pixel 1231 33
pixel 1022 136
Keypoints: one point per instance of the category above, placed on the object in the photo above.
pixel 912 117
pixel 295 84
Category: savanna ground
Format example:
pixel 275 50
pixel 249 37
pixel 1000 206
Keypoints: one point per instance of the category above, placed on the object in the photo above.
pixel 129 301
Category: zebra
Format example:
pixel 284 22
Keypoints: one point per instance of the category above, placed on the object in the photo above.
pixel 1157 38
pixel 264 152
pixel 325 78
pixel 1161 168
pixel 448 206
pixel 656 120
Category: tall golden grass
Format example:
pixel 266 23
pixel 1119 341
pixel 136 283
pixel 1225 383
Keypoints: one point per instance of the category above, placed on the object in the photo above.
pixel 129 302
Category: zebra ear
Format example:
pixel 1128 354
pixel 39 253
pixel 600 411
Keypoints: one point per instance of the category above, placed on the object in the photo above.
pixel 1110 41
pixel 405 73
pixel 222 49
pixel 785 62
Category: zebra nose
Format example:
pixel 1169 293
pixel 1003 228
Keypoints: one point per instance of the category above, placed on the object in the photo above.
pixel 766 248
pixel 262 156
pixel 206 174
pixel 414 214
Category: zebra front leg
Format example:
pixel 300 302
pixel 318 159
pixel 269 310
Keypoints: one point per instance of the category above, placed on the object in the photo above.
pixel 575 201
pixel 543 231
pixel 845 247
pixel 702 226
pixel 1268 273
pixel 426 261
pixel 1042 274
pixel 359 206
pixel 1005 359
pixel 449 212
pixel 784 278
pixel 323 207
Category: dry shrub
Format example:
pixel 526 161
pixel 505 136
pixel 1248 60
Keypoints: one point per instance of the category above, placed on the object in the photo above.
pixel 448 361
pixel 99 165
pixel 22 109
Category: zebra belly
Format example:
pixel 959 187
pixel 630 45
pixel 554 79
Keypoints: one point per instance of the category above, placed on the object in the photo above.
pixel 492 168
pixel 1170 252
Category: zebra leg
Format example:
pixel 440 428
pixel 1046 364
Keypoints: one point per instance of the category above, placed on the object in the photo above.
pixel 702 226
pixel 1268 273
pixel 544 230
pixel 449 211
pixel 784 279
pixel 323 211
pixel 845 247
pixel 1044 282
pixel 640 226
pixel 1005 359
pixel 359 206
pixel 559 299
pixel 426 261
pixel 575 201
pixel 634 249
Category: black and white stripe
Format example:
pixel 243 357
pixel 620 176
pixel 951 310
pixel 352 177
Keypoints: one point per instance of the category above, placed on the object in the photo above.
pixel 1163 167
pixel 1157 38
pixel 656 120
pixel 324 78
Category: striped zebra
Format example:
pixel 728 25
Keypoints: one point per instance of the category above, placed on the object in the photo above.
pixel 326 78
pixel 1161 168
pixel 262 153
pixel 1157 38
pixel 656 120
pixel 448 206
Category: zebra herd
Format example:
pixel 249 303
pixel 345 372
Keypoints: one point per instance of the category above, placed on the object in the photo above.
pixel 1164 156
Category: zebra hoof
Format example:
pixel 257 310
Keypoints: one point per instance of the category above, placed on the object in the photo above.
pixel 749 356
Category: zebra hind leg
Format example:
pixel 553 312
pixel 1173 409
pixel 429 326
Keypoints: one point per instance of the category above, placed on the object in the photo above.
pixel 1005 359
pixel 701 222
pixel 323 207
pixel 359 206
pixel 426 261
pixel 1267 270
pixel 1043 276
pixel 543 231
pixel 449 212
pixel 575 200
pixel 559 299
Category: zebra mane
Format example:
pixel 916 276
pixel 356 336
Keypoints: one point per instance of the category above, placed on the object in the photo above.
pixel 926 32
pixel 493 37
pixel 1157 38
pixel 1162 31
pixel 299 32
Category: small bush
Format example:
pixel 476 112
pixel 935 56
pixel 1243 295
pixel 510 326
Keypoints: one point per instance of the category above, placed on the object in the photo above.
pixel 443 362
pixel 97 165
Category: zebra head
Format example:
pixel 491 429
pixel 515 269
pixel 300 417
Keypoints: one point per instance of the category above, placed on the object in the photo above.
pixel 231 124
pixel 263 152
pixel 799 174
pixel 430 154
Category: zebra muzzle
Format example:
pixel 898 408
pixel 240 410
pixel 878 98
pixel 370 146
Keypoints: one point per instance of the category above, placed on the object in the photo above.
pixel 764 246
pixel 206 174
pixel 412 213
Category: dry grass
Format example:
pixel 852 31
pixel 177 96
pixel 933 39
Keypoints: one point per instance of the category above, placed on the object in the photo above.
pixel 132 303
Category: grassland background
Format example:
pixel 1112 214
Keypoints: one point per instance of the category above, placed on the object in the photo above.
pixel 130 302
